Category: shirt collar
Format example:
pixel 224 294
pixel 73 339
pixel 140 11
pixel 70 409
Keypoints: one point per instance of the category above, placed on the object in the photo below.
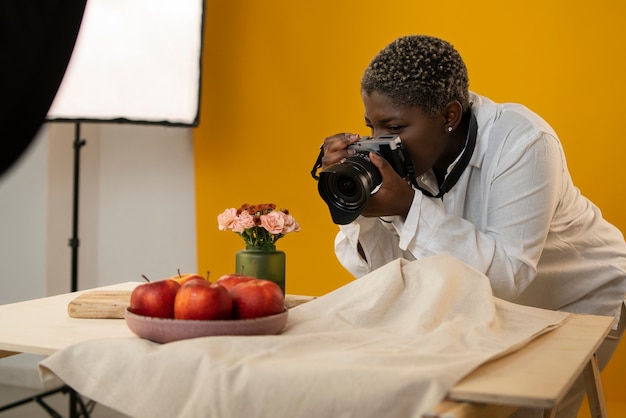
pixel 486 111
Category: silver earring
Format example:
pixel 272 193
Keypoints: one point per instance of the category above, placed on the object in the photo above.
pixel 449 128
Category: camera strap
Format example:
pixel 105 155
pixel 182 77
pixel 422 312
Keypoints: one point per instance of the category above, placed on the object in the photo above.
pixel 318 164
pixel 452 178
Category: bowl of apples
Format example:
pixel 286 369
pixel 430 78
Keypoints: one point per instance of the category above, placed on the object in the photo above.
pixel 189 306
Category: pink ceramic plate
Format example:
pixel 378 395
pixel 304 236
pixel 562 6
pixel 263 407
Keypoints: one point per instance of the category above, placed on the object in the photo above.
pixel 164 330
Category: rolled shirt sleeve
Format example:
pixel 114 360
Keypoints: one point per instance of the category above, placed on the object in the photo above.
pixel 378 240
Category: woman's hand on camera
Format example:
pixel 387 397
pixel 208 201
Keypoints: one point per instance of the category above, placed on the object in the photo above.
pixel 335 148
pixel 395 195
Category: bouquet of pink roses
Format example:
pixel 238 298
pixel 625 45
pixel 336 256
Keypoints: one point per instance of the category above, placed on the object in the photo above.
pixel 260 226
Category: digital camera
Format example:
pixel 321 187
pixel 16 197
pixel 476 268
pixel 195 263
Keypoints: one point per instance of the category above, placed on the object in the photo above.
pixel 346 186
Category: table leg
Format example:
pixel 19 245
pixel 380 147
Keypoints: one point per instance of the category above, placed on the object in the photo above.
pixel 595 394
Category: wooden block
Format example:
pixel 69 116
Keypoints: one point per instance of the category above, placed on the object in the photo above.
pixel 291 301
pixel 100 304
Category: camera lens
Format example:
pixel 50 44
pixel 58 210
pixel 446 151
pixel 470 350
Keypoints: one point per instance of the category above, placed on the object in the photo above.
pixel 346 186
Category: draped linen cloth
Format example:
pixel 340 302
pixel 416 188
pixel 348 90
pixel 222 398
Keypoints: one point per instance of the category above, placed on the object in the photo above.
pixel 391 344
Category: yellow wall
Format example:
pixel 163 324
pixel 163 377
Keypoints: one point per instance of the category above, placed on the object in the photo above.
pixel 280 75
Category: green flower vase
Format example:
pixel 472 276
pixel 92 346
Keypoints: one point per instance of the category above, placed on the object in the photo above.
pixel 262 264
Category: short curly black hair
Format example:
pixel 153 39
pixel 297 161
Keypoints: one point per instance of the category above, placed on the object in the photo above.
pixel 419 70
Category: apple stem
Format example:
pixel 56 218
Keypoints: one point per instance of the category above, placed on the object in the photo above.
pixel 208 273
pixel 145 278
pixel 179 275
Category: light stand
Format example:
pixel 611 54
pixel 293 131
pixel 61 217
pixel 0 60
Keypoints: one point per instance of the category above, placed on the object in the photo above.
pixel 74 399
pixel 74 241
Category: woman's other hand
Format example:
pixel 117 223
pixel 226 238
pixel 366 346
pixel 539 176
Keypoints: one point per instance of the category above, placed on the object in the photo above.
pixel 335 148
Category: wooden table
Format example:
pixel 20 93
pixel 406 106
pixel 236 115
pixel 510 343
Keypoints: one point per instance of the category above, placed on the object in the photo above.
pixel 540 374
pixel 537 376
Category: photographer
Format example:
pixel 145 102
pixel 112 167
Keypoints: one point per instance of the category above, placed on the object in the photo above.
pixel 491 187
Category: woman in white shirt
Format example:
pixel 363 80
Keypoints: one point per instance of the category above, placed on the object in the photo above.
pixel 490 187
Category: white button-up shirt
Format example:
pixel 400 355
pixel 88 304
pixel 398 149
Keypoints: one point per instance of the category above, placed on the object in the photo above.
pixel 514 215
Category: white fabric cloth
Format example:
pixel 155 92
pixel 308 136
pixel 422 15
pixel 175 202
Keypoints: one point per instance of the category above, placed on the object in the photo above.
pixel 514 215
pixel 390 344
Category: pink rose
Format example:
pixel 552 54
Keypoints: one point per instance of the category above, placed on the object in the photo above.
pixel 226 219
pixel 273 222
pixel 243 222
pixel 290 224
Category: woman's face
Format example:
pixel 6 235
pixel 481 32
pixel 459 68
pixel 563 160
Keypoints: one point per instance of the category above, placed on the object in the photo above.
pixel 422 134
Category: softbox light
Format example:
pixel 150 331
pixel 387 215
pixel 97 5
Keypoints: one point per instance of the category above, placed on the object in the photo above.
pixel 134 61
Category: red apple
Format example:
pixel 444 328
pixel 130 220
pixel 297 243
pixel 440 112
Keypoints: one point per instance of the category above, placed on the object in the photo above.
pixel 202 300
pixel 231 280
pixel 154 299
pixel 256 298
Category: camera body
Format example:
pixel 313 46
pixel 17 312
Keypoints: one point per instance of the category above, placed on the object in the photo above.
pixel 346 186
pixel 387 146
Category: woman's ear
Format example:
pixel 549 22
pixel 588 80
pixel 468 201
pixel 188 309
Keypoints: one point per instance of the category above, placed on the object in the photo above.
pixel 452 114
